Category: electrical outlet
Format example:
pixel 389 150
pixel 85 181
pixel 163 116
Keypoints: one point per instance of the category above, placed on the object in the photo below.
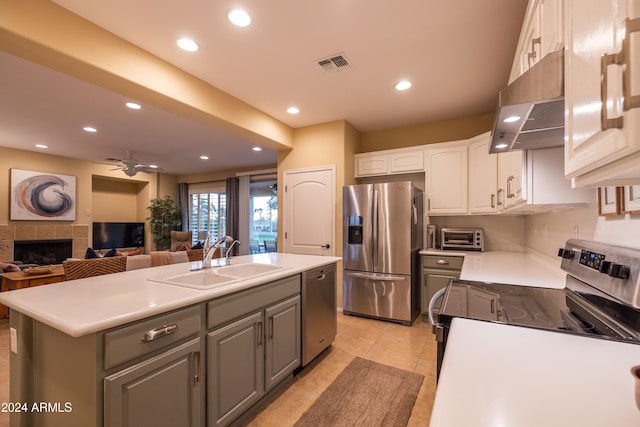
pixel 13 339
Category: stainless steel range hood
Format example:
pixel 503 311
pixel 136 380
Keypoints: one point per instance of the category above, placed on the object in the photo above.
pixel 536 99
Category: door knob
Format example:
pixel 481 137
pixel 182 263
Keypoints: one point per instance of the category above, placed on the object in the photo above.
pixel 327 246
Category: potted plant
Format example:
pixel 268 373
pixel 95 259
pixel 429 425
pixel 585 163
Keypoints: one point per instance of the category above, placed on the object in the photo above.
pixel 165 216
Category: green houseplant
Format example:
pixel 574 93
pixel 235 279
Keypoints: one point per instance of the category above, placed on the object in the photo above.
pixel 165 216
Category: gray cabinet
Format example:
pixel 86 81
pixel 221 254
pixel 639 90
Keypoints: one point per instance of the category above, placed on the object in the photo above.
pixel 255 351
pixel 162 391
pixel 437 270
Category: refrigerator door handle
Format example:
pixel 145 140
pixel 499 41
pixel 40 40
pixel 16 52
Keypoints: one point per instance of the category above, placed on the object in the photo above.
pixel 374 227
pixel 379 277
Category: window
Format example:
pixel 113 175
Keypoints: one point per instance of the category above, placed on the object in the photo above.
pixel 208 212
pixel 263 231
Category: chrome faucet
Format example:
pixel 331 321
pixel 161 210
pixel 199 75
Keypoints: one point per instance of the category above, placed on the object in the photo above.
pixel 209 249
pixel 226 255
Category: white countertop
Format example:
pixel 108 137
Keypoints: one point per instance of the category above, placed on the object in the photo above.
pixel 81 307
pixel 497 375
pixel 513 268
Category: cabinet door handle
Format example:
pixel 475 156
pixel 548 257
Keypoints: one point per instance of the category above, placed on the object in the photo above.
pixel 493 306
pixel 630 101
pixel 271 331
pixel 500 191
pixel 260 333
pixel 493 200
pixel 160 332
pixel 442 262
pixel 196 356
pixel 605 61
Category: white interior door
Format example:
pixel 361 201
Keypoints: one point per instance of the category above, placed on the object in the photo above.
pixel 309 211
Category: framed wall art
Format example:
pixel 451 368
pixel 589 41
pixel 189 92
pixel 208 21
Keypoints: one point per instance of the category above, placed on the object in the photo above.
pixel 42 196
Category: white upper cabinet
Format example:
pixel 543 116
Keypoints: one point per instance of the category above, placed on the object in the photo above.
pixel 533 181
pixel 483 176
pixel 446 179
pixel 602 133
pixel 389 162
pixel 511 172
pixel 542 33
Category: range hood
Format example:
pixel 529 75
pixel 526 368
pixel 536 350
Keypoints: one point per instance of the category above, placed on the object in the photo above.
pixel 531 109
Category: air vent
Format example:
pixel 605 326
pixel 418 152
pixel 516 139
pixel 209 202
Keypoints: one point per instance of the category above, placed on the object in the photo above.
pixel 334 63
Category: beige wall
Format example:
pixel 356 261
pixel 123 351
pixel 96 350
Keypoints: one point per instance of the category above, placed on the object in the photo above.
pixel 427 133
pixel 86 174
pixel 321 145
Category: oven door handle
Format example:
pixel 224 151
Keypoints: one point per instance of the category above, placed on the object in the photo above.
pixel 432 306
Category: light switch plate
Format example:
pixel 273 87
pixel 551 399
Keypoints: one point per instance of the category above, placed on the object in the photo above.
pixel 13 338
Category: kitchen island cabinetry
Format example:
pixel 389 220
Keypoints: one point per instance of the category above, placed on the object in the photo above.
pixel 602 60
pixel 171 380
pixel 255 352
pixel 124 349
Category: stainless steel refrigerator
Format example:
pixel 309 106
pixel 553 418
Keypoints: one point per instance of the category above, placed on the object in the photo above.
pixel 382 236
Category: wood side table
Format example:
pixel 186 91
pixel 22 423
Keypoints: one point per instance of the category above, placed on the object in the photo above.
pixel 19 280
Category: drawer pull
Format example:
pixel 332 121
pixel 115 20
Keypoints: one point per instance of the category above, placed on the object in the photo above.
pixel 442 262
pixel 160 332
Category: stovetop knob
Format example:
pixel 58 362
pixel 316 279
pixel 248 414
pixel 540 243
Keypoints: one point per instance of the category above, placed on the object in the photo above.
pixel 618 271
pixel 565 253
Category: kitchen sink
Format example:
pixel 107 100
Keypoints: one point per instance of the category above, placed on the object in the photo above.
pixel 248 270
pixel 216 276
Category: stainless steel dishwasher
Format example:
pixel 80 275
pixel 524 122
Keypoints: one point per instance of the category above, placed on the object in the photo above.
pixel 319 317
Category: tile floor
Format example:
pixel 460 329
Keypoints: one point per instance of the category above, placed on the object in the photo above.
pixel 413 349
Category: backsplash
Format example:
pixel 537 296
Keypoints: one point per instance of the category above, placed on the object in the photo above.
pixel 501 232
pixel 549 231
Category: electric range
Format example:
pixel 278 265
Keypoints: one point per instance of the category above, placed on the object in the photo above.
pixel 601 298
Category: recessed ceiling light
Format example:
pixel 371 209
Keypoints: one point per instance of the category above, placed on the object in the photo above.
pixel 403 85
pixel 90 129
pixel 204 157
pixel 293 110
pixel 511 119
pixel 153 166
pixel 187 44
pixel 239 17
pixel 501 146
pixel 41 146
pixel 133 105
pixel 257 149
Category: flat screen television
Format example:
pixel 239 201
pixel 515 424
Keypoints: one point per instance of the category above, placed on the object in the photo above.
pixel 108 235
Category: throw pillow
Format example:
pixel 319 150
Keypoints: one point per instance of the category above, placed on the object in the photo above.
pixel 90 254
pixel 197 245
pixel 184 247
pixel 138 251
pixel 112 252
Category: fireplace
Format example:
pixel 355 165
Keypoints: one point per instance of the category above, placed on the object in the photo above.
pixel 42 252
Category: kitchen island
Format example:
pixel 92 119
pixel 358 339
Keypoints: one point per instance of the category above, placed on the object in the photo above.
pixel 125 350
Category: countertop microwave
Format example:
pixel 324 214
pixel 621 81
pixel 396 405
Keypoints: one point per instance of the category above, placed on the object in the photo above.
pixel 465 239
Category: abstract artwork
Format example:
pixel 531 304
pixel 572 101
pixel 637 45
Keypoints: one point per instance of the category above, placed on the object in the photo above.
pixel 42 196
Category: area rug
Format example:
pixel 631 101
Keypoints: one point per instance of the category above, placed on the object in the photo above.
pixel 367 394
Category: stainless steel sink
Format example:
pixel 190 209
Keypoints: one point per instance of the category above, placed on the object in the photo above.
pixel 217 276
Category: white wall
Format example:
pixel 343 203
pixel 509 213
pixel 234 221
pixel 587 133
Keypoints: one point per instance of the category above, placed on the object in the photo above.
pixel 549 231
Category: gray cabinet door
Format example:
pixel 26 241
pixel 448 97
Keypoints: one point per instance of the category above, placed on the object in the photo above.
pixel 161 391
pixel 432 282
pixel 282 340
pixel 235 368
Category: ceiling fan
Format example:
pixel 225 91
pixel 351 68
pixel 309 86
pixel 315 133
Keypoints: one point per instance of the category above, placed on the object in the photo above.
pixel 131 166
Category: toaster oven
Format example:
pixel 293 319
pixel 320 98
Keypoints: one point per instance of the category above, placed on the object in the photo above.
pixel 462 239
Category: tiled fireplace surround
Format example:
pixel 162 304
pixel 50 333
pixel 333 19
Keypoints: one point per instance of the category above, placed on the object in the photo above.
pixel 79 234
